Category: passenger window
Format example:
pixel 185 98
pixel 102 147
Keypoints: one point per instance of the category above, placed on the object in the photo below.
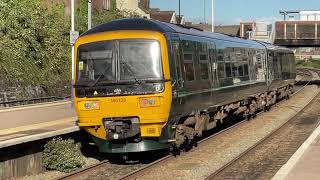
pixel 221 73
pixel 204 66
pixel 188 57
pixel 228 70
pixel 220 55
pixel 188 66
pixel 240 70
pixel 189 71
pixel 235 72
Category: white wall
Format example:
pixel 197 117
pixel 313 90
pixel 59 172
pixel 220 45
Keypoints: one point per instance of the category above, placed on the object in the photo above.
pixel 131 6
pixel 309 15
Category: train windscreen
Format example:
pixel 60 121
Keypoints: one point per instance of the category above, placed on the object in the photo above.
pixel 140 60
pixel 118 61
pixel 96 62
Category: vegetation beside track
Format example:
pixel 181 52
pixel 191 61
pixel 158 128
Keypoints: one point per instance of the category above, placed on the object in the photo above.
pixel 313 63
pixel 35 56
pixel 63 155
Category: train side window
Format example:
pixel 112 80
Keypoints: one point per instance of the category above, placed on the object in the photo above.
pixel 228 70
pixel 240 70
pixel 221 72
pixel 188 66
pixel 204 70
pixel 235 72
pixel 246 69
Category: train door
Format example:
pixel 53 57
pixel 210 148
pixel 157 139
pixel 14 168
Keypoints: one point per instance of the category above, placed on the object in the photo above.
pixel 213 64
pixel 270 67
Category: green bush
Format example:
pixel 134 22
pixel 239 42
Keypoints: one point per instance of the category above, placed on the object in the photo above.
pixel 62 155
pixel 310 63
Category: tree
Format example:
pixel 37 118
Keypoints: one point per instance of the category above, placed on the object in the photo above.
pixel 34 44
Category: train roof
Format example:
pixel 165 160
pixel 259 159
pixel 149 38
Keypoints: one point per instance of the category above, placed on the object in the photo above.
pixel 274 47
pixel 154 25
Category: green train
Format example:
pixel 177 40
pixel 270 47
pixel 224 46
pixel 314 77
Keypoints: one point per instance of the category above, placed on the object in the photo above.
pixel 144 85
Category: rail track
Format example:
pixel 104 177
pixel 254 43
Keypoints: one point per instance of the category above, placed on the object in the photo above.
pixel 264 159
pixel 138 170
pixel 267 156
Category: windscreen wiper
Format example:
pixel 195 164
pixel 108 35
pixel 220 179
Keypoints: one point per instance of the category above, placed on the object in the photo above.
pixel 124 64
pixel 96 82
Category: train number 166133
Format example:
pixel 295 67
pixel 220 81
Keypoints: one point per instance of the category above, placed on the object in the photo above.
pixel 118 100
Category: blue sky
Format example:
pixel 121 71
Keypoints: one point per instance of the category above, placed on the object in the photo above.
pixel 233 11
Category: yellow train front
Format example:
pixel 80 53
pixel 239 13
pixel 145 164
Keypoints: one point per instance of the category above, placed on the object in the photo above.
pixel 123 89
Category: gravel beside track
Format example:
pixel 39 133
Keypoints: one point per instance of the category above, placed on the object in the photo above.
pixel 213 154
pixel 263 161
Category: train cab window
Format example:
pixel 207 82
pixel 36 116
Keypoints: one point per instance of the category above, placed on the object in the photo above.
pixel 188 66
pixel 228 70
pixel 204 70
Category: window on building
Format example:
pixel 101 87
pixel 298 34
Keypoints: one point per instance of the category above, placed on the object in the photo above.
pixel 106 4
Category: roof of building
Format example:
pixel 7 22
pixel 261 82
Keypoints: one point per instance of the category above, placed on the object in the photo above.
pixel 163 27
pixel 164 16
pixel 231 29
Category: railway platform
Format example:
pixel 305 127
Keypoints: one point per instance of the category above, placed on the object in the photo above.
pixel 305 162
pixel 30 123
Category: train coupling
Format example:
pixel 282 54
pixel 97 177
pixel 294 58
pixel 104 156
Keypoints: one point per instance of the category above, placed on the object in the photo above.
pixel 122 128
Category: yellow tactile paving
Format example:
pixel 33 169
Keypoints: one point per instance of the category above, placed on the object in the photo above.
pixel 37 126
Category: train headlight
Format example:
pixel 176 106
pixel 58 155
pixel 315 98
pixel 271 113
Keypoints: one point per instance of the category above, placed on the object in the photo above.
pixel 89 105
pixel 149 102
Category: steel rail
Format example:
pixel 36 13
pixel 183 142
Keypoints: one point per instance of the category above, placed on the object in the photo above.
pixel 78 173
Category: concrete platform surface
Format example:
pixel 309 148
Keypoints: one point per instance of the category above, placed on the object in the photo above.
pixel 305 162
pixel 34 114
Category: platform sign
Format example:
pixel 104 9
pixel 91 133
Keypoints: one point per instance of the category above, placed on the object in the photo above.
pixel 73 36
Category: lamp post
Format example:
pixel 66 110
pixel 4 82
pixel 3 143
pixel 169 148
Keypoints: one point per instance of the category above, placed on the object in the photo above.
pixel 212 16
pixel 72 30
pixel 72 47
pixel 89 15
pixel 179 10
pixel 204 11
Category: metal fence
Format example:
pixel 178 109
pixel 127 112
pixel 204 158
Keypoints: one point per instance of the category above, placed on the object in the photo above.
pixel 22 102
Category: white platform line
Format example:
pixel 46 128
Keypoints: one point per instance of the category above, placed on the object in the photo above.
pixel 286 168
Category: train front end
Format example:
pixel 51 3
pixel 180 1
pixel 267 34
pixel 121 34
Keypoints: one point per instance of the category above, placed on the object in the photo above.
pixel 122 89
